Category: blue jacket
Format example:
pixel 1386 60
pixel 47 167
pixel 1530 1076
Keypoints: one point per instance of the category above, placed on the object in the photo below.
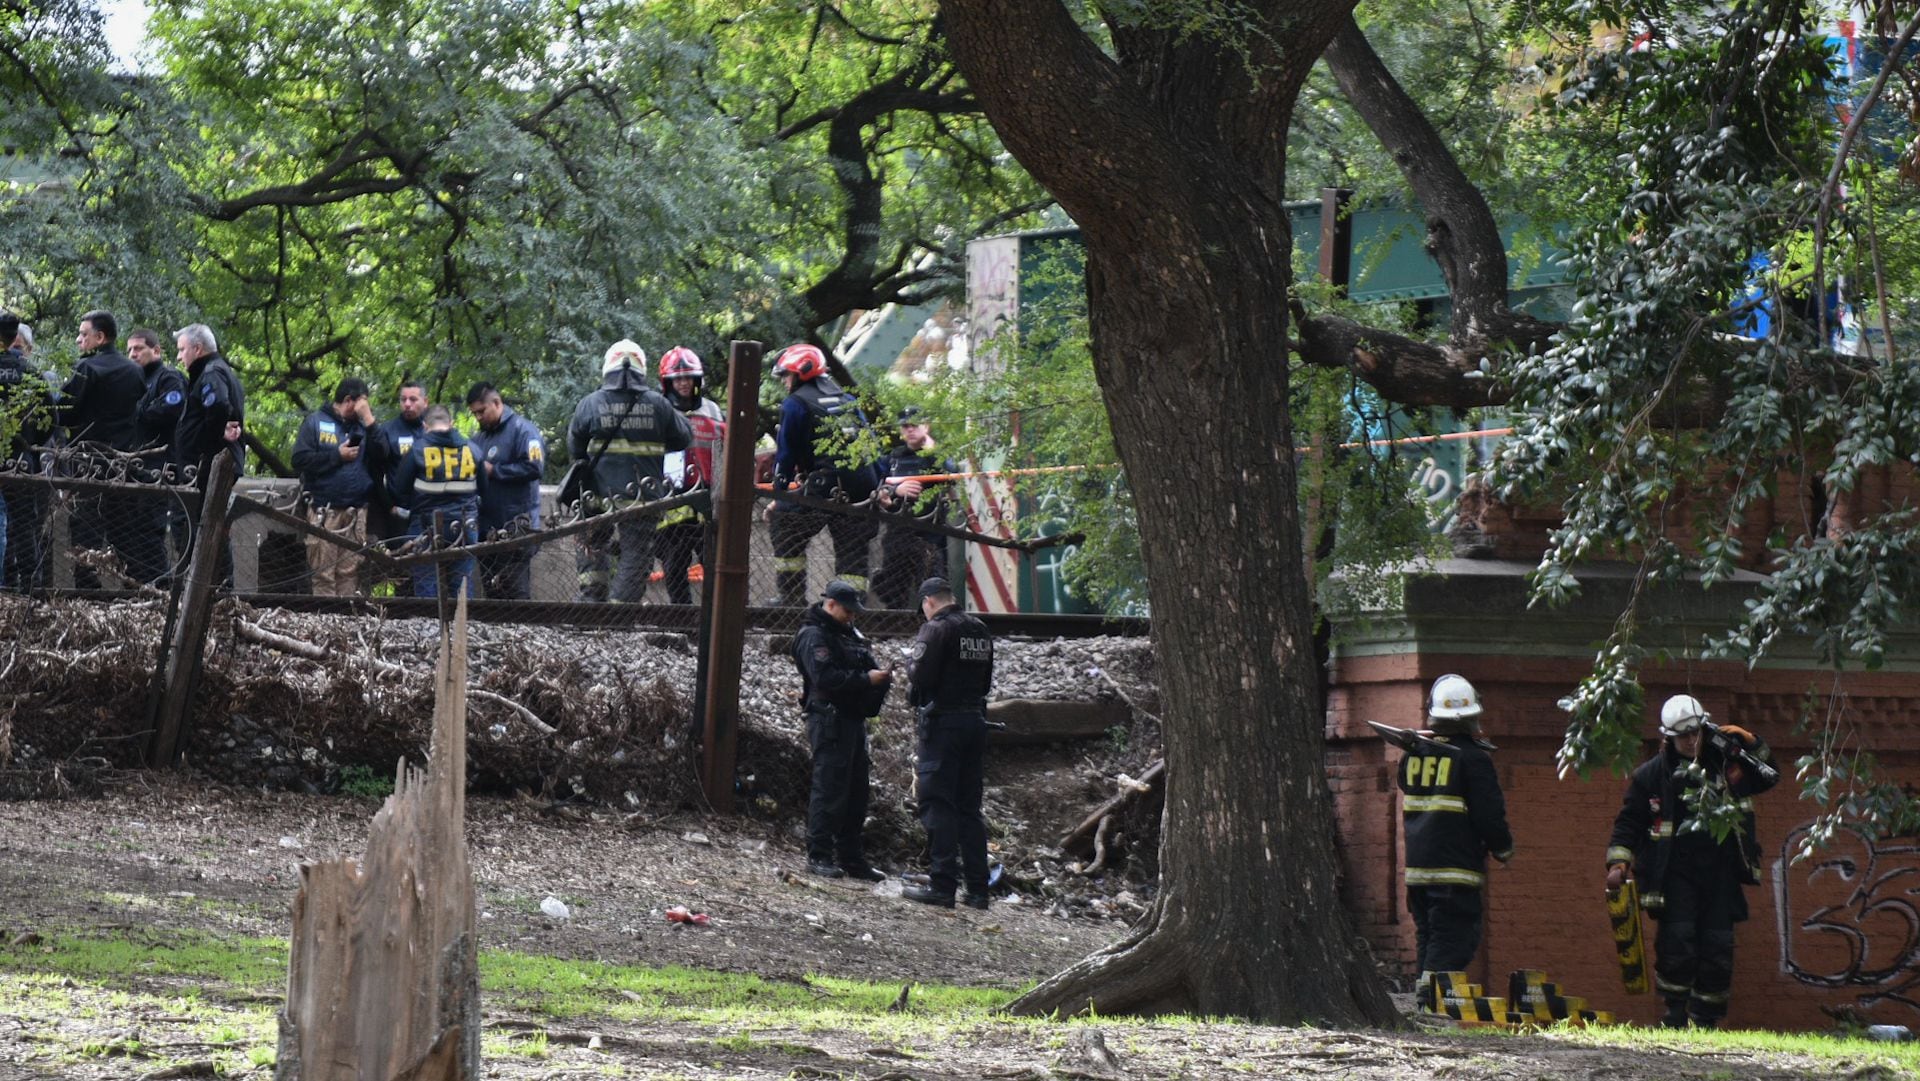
pixel 819 410
pixel 330 480
pixel 387 443
pixel 439 473
pixel 518 457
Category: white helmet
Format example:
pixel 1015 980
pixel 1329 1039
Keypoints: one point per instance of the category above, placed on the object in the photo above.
pixel 627 352
pixel 1682 714
pixel 1453 697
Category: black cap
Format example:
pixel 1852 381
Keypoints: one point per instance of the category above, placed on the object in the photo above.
pixel 350 388
pixel 911 415
pixel 847 596
pixel 933 587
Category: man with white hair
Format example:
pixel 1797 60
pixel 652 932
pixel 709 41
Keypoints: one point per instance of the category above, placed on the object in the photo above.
pixel 1690 880
pixel 213 417
pixel 624 431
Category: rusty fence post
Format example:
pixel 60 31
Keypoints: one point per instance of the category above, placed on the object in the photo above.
pixel 180 676
pixel 727 613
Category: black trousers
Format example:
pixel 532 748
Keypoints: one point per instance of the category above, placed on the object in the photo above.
pixel 1693 950
pixel 1446 923
pixel 950 767
pixel 907 558
pixel 837 806
pixel 507 576
pixel 790 528
pixel 26 538
pixel 134 528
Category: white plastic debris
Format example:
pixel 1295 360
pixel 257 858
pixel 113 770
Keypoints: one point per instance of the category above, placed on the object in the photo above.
pixel 289 841
pixel 555 908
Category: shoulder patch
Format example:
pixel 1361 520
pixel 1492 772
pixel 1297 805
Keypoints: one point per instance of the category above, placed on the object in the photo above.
pixel 534 453
pixel 173 397
pixel 821 653
pixel 919 650
pixel 207 394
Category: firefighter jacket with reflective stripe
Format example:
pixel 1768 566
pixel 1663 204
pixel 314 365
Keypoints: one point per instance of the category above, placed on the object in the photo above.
pixel 514 449
pixel 1656 818
pixel 440 473
pixel 638 427
pixel 834 660
pixel 699 465
pixel 101 401
pixel 330 480
pixel 952 664
pixel 159 411
pixel 1455 813
pixel 817 422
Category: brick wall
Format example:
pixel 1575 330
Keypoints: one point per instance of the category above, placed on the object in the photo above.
pixel 1841 930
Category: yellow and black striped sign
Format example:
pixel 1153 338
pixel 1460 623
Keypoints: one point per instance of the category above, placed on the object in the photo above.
pixel 1629 941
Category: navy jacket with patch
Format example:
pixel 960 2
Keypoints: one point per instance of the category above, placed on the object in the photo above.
pixel 519 457
pixel 330 480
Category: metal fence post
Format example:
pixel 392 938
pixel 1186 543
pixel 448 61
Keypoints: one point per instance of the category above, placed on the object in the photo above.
pixel 733 519
pixel 181 674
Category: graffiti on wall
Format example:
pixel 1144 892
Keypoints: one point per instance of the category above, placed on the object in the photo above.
pixel 1850 917
pixel 993 295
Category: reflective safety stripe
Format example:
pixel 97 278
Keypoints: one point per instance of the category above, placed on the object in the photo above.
pixel 790 563
pixel 1444 876
pixel 628 446
pixel 1417 804
pixel 1653 899
pixel 1661 832
pixel 1717 998
pixel 445 487
pixel 1668 987
pixel 1619 854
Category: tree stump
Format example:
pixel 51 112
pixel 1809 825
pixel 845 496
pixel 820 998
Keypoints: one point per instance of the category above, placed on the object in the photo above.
pixel 382 983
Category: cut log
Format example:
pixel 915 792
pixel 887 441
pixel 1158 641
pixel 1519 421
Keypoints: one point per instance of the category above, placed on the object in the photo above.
pixel 1038 720
pixel 1080 840
pixel 382 983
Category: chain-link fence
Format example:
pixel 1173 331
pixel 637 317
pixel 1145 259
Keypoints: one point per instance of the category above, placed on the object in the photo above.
pixel 264 636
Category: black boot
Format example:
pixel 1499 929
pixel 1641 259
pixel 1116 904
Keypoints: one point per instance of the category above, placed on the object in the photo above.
pixel 928 895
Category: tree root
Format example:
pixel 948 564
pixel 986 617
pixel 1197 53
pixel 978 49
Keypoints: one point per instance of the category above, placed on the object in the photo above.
pixel 1144 973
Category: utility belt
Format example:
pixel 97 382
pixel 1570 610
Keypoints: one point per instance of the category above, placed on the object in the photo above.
pixel 940 716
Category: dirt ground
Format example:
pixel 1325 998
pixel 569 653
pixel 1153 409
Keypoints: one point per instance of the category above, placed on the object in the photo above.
pixel 167 856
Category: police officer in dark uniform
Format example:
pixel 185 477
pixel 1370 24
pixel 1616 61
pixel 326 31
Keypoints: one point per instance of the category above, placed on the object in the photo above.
pixel 1693 883
pixel 98 405
pixel 440 477
pixel 1455 815
pixel 952 672
pixel 817 419
pixel 213 418
pixel 389 441
pixel 513 457
pixel 906 554
pixel 841 686
pixel 157 417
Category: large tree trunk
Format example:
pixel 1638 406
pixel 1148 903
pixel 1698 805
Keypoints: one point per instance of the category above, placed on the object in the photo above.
pixel 1172 162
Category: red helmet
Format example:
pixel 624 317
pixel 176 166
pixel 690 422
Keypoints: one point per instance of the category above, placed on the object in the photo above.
pixel 803 361
pixel 680 361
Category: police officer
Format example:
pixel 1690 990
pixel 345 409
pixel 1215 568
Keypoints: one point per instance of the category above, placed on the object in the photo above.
pixel 26 413
pixel 1693 884
pixel 948 683
pixel 213 418
pixel 98 406
pixel 389 441
pixel 677 542
pixel 513 457
pixel 327 454
pixel 817 422
pixel 906 554
pixel 157 418
pixel 440 477
pixel 625 429
pixel 1455 815
pixel 841 686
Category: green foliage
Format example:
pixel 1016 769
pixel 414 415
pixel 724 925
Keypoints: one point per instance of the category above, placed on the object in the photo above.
pixel 365 783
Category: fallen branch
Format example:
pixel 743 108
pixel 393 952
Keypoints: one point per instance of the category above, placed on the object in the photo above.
pixel 314 652
pixel 1081 839
pixel 1099 845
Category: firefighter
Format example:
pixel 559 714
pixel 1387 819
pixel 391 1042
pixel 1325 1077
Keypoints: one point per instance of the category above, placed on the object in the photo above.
pixel 678 540
pixel 841 685
pixel 440 477
pixel 948 683
pixel 1692 883
pixel 1455 816
pixel 818 423
pixel 625 429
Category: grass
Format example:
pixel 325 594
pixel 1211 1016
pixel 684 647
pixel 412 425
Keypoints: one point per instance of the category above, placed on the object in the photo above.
pixel 78 991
